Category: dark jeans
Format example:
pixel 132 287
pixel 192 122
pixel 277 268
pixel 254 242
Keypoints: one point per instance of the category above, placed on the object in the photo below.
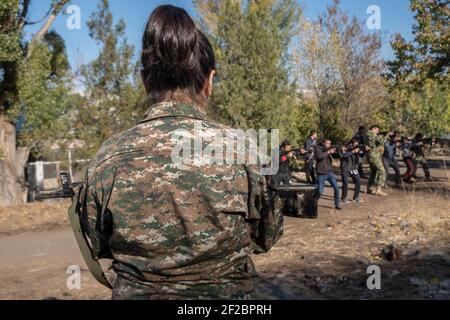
pixel 387 163
pixel 333 182
pixel 360 165
pixel 409 169
pixel 309 170
pixel 345 180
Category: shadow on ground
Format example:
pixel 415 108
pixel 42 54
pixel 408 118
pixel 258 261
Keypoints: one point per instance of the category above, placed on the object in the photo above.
pixel 413 277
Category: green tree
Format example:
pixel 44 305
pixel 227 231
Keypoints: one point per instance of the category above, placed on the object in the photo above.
pixel 338 64
pixel 111 86
pixel 35 75
pixel 302 117
pixel 425 109
pixel 427 56
pixel 317 70
pixel 43 88
pixel 11 52
pixel 33 90
pixel 418 76
pixel 251 40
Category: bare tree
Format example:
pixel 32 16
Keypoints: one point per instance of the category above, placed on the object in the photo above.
pixel 340 63
pixel 359 64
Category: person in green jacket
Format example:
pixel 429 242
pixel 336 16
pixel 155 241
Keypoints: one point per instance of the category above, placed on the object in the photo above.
pixel 374 156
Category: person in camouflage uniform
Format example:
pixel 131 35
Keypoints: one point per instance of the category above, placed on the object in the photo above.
pixel 176 231
pixel 374 156
pixel 419 158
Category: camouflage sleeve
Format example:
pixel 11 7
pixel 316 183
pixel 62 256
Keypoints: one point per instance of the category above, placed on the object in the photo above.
pixel 96 220
pixel 375 142
pixel 371 141
pixel 295 165
pixel 264 213
pixel 381 140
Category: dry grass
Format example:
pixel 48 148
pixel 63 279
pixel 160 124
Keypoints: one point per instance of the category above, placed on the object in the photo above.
pixel 35 216
pixel 328 257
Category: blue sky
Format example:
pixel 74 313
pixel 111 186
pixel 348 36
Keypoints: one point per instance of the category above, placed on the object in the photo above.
pixel 395 17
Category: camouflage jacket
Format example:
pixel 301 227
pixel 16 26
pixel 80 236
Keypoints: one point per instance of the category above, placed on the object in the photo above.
pixel 176 231
pixel 376 145
pixel 295 164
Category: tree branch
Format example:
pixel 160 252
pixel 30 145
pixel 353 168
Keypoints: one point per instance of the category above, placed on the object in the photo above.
pixel 23 14
pixel 37 38
pixel 40 20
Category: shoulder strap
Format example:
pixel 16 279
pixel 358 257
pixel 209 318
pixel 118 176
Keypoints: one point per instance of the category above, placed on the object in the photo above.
pixel 83 243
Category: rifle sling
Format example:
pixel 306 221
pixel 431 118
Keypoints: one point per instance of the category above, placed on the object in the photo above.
pixel 83 243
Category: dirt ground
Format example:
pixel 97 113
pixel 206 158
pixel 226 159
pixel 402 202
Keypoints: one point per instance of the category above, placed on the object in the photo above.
pixel 406 234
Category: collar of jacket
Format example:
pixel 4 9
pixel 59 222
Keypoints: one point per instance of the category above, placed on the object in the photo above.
pixel 173 109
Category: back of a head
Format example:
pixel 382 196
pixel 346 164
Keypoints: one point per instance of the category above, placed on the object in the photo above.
pixel 176 56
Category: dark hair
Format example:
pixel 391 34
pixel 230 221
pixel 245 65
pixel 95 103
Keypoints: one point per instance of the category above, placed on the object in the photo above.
pixel 175 54
pixel 285 143
pixel 393 134
pixel 375 126
pixel 313 132
pixel 325 140
pixel 361 128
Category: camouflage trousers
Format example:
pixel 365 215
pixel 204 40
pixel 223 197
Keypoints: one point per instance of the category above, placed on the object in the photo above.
pixel 377 171
pixel 126 288
pixel 422 161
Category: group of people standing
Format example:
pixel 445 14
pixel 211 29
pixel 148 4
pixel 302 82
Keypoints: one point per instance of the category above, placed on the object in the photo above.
pixel 379 149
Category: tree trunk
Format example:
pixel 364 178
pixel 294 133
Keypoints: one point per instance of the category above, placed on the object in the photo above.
pixel 12 181
pixel 37 38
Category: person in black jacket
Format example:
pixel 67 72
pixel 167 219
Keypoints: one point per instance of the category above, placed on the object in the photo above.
pixel 408 160
pixel 283 166
pixel 325 170
pixel 349 169
pixel 310 159
pixel 287 163
pixel 390 151
pixel 361 136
